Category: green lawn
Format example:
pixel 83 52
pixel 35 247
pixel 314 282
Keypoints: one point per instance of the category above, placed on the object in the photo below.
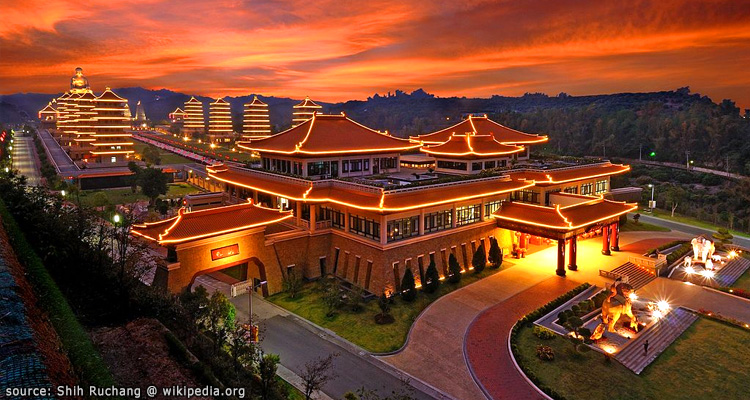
pixel 166 156
pixel 700 364
pixel 686 220
pixel 744 281
pixel 360 328
pixel 126 196
pixel 223 150
pixel 642 226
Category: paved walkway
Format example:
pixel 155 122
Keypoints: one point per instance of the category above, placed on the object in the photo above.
pixel 59 158
pixel 25 161
pixel 487 340
pixel 434 351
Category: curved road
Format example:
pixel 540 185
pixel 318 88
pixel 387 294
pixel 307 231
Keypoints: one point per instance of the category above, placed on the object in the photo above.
pixel 691 229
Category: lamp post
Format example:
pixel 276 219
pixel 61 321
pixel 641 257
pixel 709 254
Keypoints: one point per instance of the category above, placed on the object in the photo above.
pixel 652 203
pixel 253 332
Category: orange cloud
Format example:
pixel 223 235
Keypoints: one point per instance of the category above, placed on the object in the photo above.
pixel 336 50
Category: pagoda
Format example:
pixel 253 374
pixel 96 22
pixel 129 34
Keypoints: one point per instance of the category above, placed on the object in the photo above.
pixel 112 140
pixel 48 115
pixel 304 111
pixel 194 122
pixel 140 121
pixel 256 123
pixel 220 121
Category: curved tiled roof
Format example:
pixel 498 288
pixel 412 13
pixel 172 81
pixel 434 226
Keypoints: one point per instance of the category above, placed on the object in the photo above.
pixel 480 126
pixel 472 145
pixel 564 218
pixel 307 103
pixel 571 174
pixel 256 102
pixel 329 134
pixel 108 94
pixel 188 226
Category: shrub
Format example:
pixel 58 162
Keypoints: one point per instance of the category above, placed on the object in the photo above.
pixel 408 289
pixel 292 284
pixel 576 309
pixel 562 317
pixel 543 333
pixel 432 278
pixel 586 333
pixel 496 254
pixel 545 353
pixel 599 299
pixel 479 261
pixel 454 269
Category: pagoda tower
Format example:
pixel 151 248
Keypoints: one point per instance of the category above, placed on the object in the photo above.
pixel 112 142
pixel 304 111
pixel 48 115
pixel 140 121
pixel 220 122
pixel 256 123
pixel 194 121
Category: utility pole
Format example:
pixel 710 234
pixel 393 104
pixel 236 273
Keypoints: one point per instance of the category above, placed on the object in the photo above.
pixel 687 159
pixel 640 152
pixel 727 166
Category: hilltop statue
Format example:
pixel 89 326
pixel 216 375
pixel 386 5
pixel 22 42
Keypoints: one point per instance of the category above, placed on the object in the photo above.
pixel 618 303
pixel 78 81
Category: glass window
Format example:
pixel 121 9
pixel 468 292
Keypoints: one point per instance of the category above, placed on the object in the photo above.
pixel 526 196
pixel 460 166
pixel 438 221
pixel 601 186
pixel 489 164
pixel 403 228
pixel 571 189
pixel 345 166
pixel 491 207
pixel 467 214
pixel 318 168
pixel 364 227
pixel 587 188
pixel 476 166
pixel 336 217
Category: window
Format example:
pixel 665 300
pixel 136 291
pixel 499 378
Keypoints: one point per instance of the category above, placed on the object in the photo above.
pixel 113 159
pixel 345 166
pixel 601 186
pixel 526 196
pixel 489 164
pixel 364 227
pixel 438 221
pixel 403 228
pixel 571 189
pixel 587 188
pixel 460 166
pixel 318 168
pixel 467 214
pixel 476 166
pixel 491 207
pixel 336 217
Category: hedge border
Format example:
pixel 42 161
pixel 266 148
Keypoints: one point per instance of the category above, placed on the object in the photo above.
pixel 86 360
pixel 528 320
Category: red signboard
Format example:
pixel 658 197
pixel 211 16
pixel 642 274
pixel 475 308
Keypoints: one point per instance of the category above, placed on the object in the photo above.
pixel 224 252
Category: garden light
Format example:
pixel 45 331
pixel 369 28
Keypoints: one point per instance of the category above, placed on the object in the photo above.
pixel 116 218
pixel 732 254
pixel 689 270
pixel 633 296
pixel 662 305
pixel 708 274
pixel 657 314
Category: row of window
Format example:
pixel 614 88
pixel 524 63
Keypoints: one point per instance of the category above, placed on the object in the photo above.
pixel 364 227
pixel 475 165
pixel 318 168
pixel 355 165
pixel 284 166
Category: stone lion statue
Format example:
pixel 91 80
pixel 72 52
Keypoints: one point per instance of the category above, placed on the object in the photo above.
pixel 617 304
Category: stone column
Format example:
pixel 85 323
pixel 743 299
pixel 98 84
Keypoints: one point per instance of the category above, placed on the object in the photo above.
pixel 383 230
pixel 313 216
pixel 616 236
pixel 560 257
pixel 572 265
pixel 605 241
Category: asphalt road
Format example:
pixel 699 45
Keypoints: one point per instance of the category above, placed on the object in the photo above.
pixel 23 160
pixel 694 230
pixel 296 342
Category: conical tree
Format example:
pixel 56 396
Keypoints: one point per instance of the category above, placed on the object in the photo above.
pixel 454 269
pixel 408 288
pixel 479 261
pixel 431 278
pixel 496 255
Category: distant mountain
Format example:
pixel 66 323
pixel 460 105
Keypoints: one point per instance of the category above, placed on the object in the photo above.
pixel 400 113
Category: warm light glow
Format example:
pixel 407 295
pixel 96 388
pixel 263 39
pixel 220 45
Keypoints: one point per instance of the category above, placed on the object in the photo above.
pixel 663 306
pixel 689 270
pixel 116 218
pixel 633 296
pixel 732 254
pixel 657 314
pixel 708 274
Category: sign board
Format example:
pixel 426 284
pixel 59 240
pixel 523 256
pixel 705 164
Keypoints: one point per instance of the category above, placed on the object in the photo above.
pixel 224 252
pixel 652 204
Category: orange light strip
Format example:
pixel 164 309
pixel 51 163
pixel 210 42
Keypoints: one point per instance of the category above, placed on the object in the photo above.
pixel 550 180
pixel 570 226
pixel 190 238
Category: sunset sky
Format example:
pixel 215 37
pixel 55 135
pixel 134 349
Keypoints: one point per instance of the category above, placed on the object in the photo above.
pixel 340 50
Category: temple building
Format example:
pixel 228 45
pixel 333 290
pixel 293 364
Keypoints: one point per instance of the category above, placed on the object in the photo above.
pixel 140 121
pixel 304 111
pixel 92 129
pixel 194 121
pixel 220 122
pixel 48 115
pixel 352 211
pixel 256 122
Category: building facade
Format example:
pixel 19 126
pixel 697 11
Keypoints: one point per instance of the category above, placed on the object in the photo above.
pixel 193 122
pixel 304 111
pixel 256 121
pixel 220 122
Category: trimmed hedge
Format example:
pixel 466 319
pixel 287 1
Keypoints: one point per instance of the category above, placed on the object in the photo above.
pixel 679 252
pixel 86 360
pixel 529 319
pixel 665 246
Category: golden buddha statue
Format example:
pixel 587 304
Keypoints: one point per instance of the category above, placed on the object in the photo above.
pixel 79 81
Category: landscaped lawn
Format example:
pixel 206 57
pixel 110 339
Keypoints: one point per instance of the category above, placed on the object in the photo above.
pixel 360 328
pixel 686 220
pixel 166 156
pixel 706 362
pixel 744 280
pixel 126 195
pixel 642 226
pixel 223 150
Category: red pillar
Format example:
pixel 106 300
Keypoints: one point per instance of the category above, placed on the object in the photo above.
pixel 616 236
pixel 605 241
pixel 560 257
pixel 572 265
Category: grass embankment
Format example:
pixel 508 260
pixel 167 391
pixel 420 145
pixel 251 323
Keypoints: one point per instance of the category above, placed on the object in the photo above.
pixel 166 157
pixel 642 226
pixel 89 198
pixel 360 327
pixel 87 362
pixel 220 151
pixel 700 364
pixel 687 220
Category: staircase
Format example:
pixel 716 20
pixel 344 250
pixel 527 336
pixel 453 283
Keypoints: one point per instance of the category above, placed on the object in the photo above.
pixel 732 271
pixel 659 335
pixel 637 276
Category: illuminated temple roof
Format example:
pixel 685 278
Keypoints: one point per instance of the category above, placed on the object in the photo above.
pixel 569 174
pixel 463 145
pixel 329 134
pixel 364 197
pixel 563 218
pixel 201 224
pixel 480 126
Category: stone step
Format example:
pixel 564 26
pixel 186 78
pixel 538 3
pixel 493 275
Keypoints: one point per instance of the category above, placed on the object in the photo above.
pixel 637 277
pixel 732 271
pixel 660 336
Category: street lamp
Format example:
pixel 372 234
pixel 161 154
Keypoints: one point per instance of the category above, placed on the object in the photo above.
pixel 62 192
pixel 652 203
pixel 250 291
pixel 116 218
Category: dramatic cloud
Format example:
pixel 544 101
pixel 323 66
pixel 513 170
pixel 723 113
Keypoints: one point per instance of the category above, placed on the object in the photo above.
pixel 336 50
